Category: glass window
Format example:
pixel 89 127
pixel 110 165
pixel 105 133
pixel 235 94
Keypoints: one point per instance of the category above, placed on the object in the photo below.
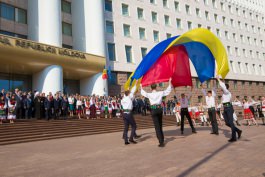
pixel 178 23
pixel 111 52
pixel 21 16
pixel 67 29
pixel 67 46
pixel 167 20
pixel 140 13
pixel 109 27
pixel 156 36
pixel 189 25
pixel 169 35
pixel 187 9
pixel 142 33
pixel 113 80
pixel 125 10
pixel 165 3
pixel 154 17
pixel 176 3
pixel 128 51
pixel 143 51
pixel 108 5
pixel 198 13
pixel 152 1
pixel 13 34
pixel 7 12
pixel 66 7
pixel 126 30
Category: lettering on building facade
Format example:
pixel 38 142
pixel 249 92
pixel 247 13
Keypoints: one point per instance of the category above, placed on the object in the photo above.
pixel 41 47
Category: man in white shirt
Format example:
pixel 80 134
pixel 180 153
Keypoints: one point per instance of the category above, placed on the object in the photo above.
pixel 228 110
pixel 155 99
pixel 128 119
pixel 210 103
pixel 184 104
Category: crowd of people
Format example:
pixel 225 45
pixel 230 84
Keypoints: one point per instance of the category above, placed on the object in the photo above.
pixel 27 105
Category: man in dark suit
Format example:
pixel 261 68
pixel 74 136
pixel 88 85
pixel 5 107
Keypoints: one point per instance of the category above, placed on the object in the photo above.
pixel 3 93
pixel 57 106
pixel 48 107
pixel 18 98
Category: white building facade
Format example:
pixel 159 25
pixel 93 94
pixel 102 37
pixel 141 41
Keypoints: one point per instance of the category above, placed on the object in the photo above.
pixel 140 24
pixel 118 34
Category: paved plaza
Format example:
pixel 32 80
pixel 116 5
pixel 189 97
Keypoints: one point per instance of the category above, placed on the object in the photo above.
pixel 198 155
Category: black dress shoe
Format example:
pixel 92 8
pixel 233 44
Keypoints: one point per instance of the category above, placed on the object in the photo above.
pixel 217 133
pixel 182 132
pixel 194 131
pixel 161 145
pixel 239 133
pixel 212 133
pixel 132 141
pixel 137 136
pixel 126 143
pixel 231 140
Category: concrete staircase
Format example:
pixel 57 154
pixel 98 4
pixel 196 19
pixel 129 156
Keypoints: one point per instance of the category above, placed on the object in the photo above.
pixel 36 130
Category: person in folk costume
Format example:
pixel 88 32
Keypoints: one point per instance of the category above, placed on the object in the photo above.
pixel 65 106
pixel 106 110
pixel 118 114
pixel 87 108
pixel 263 109
pixel 196 114
pixel 3 107
pixel 93 107
pixel 176 111
pixel 185 112
pixel 110 108
pixel 98 109
pixel 219 116
pixel 228 110
pixel 79 107
pixel 251 107
pixel 236 103
pixel 37 105
pixel 248 115
pixel 12 109
pixel 102 111
pixel 114 106
pixel 155 97
pixel 71 102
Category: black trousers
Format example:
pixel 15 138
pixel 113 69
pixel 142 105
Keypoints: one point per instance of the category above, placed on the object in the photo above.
pixel 185 112
pixel 157 119
pixel 48 114
pixel 212 116
pixel 128 120
pixel 229 121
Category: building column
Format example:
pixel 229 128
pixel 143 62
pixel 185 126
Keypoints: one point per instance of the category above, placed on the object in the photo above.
pixel 94 85
pixel 48 80
pixel 45 21
pixel 89 36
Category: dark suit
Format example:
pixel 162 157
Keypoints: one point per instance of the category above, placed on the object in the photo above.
pixel 57 107
pixel 19 106
pixel 48 108
pixel 65 107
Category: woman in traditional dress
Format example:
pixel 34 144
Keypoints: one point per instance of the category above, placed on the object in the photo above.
pixel 3 107
pixel 87 105
pixel 176 111
pixel 11 109
pixel 248 115
pixel 79 107
pixel 71 102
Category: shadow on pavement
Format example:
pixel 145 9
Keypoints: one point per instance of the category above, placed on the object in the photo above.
pixel 204 160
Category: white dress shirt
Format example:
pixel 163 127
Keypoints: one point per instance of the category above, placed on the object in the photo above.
pixel 226 97
pixel 184 102
pixel 210 100
pixel 126 101
pixel 155 97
